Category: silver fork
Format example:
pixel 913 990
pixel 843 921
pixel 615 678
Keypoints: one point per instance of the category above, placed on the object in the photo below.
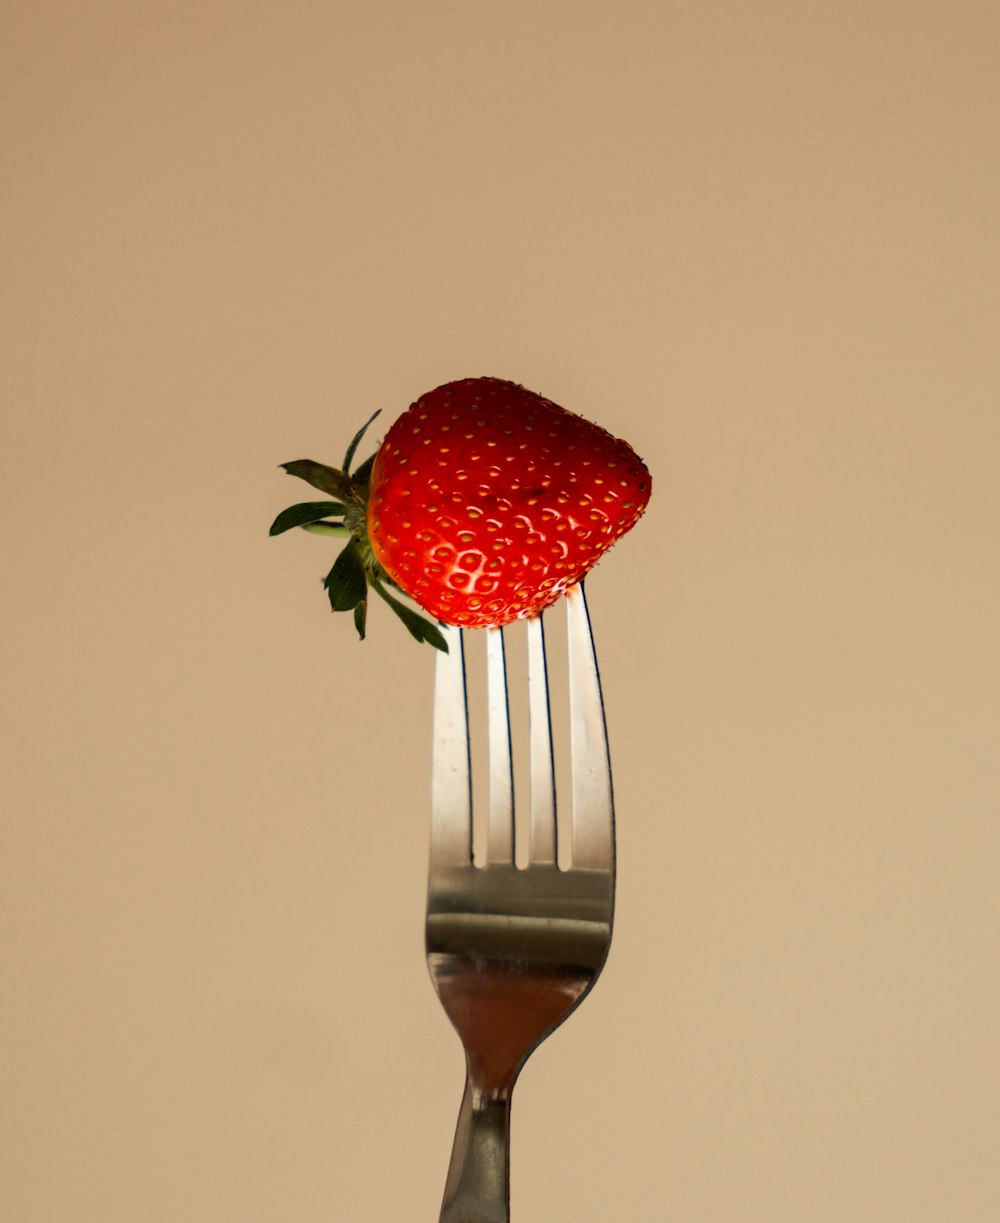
pixel 513 950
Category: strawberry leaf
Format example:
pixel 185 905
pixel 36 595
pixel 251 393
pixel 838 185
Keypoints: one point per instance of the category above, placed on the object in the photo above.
pixel 326 528
pixel 304 512
pixel 356 439
pixel 360 615
pixel 326 479
pixel 363 474
pixel 345 583
pixel 416 625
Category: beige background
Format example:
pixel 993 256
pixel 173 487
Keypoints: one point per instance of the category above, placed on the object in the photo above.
pixel 758 240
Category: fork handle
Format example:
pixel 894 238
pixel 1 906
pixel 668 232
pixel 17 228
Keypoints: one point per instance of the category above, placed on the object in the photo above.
pixel 478 1185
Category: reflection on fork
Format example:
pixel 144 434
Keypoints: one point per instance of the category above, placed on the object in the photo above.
pixel 511 949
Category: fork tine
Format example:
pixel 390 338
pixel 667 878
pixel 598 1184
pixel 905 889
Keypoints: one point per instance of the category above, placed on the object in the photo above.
pixel 542 838
pixel 500 836
pixel 451 793
pixel 593 803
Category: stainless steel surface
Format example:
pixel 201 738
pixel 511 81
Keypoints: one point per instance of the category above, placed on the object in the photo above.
pixel 513 950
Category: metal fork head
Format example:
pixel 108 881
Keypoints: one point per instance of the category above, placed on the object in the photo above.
pixel 451 793
pixel 512 949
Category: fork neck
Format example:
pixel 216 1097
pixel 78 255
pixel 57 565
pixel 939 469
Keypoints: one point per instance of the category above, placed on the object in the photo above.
pixel 478 1185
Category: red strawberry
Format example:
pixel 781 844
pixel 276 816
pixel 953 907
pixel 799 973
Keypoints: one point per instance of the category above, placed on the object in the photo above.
pixel 485 503
pixel 488 502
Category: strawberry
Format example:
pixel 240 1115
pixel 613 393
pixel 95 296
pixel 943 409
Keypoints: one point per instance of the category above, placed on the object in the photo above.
pixel 484 504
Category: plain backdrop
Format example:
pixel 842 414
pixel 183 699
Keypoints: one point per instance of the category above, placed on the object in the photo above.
pixel 759 241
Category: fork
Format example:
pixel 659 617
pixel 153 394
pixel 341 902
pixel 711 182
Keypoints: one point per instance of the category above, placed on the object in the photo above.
pixel 512 949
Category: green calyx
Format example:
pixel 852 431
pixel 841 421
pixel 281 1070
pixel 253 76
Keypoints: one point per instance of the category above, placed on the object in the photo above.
pixel 356 569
